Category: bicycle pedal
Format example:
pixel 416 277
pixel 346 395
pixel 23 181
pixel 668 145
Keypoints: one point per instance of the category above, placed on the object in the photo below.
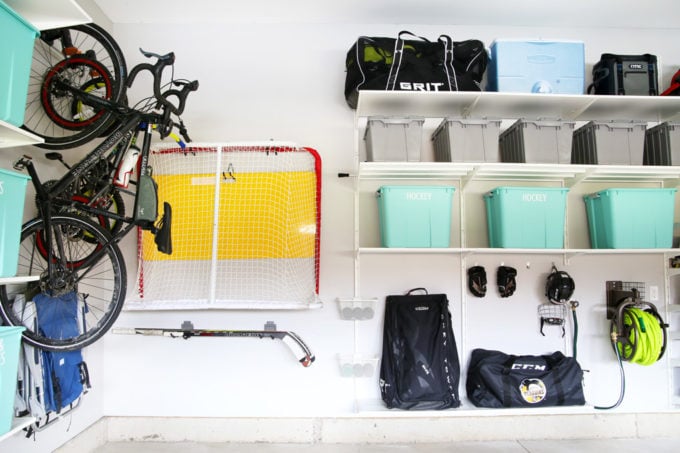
pixel 163 237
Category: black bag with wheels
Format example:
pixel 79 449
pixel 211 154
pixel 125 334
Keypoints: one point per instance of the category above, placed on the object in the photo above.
pixel 375 63
pixel 419 368
pixel 631 75
pixel 497 380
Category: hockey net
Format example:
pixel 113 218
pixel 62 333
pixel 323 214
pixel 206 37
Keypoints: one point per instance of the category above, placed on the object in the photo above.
pixel 245 228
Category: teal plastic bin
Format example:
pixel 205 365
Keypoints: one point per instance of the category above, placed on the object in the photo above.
pixel 631 218
pixel 415 216
pixel 10 340
pixel 12 194
pixel 526 217
pixel 17 38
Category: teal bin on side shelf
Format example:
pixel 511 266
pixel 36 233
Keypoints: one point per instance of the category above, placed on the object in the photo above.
pixel 415 216
pixel 10 340
pixel 12 194
pixel 526 217
pixel 17 38
pixel 631 218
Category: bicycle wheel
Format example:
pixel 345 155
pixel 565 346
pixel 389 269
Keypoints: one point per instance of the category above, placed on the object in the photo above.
pixel 87 288
pixel 86 41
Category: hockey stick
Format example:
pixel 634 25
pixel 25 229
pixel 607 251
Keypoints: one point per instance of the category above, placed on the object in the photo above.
pixel 291 339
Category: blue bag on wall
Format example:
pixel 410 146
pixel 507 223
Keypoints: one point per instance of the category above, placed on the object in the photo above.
pixel 64 372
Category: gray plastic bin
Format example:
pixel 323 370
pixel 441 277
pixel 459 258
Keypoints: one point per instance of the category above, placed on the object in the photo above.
pixel 542 141
pixel 393 139
pixel 609 143
pixel 466 140
pixel 662 145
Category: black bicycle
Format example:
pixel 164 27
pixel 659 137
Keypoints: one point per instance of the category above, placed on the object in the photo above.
pixel 69 249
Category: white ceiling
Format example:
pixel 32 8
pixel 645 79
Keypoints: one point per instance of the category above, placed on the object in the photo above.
pixel 568 13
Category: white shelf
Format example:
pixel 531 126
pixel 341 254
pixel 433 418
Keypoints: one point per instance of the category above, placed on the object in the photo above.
pixel 22 279
pixel 518 105
pixel 17 425
pixel 11 135
pixel 507 251
pixel 45 15
pixel 569 174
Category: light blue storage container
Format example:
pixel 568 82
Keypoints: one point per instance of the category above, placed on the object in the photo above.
pixel 17 37
pixel 526 217
pixel 10 340
pixel 521 66
pixel 631 218
pixel 415 216
pixel 12 194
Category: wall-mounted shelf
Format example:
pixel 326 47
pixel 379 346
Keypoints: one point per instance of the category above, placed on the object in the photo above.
pixel 518 105
pixel 569 174
pixel 17 425
pixel 509 251
pixel 26 278
pixel 11 135
pixel 53 14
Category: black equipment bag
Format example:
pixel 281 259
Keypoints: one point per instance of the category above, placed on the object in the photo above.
pixel 419 368
pixel 632 75
pixel 497 380
pixel 375 63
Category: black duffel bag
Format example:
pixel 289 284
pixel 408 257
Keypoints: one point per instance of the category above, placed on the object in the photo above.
pixel 419 369
pixel 496 379
pixel 375 63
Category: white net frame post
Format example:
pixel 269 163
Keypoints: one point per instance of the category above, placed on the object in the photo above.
pixel 245 228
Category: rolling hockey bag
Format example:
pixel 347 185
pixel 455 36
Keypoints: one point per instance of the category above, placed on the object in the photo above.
pixel 419 369
pixel 497 380
pixel 375 63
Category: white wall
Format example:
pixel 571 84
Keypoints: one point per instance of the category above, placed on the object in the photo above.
pixel 285 82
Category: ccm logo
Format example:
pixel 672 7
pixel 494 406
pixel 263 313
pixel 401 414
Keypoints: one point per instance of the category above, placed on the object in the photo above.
pixel 528 366
pixel 417 86
pixel 418 196
pixel 635 66
pixel 535 197
pixel 421 308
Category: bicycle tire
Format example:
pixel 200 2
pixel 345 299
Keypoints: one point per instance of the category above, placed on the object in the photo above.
pixel 92 42
pixel 100 286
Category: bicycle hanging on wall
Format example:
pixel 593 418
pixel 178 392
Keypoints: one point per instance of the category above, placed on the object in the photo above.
pixel 72 246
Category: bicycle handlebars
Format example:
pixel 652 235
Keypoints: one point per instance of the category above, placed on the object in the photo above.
pixel 157 72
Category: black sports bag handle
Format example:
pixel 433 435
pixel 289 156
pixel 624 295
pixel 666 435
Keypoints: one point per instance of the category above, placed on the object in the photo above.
pixel 410 291
pixel 406 32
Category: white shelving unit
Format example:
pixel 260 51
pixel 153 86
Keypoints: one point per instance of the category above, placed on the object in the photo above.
pixel 505 106
pixel 43 15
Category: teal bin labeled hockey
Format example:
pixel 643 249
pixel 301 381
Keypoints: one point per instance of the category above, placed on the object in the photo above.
pixel 17 37
pixel 627 218
pixel 526 217
pixel 12 194
pixel 415 216
pixel 10 340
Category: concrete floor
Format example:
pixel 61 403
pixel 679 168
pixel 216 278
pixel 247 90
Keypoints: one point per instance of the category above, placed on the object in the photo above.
pixel 523 446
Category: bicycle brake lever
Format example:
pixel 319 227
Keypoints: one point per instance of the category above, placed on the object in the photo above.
pixel 183 131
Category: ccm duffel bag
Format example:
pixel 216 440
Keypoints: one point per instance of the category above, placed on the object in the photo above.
pixel 399 64
pixel 496 379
